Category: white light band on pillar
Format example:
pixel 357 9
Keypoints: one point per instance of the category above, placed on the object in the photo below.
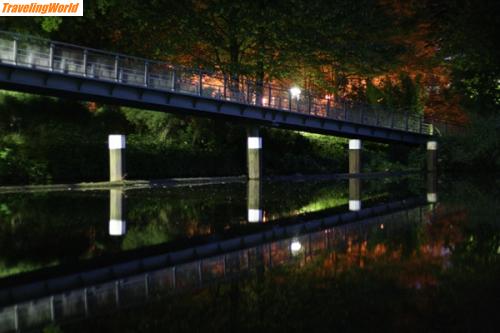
pixel 432 145
pixel 116 141
pixel 354 205
pixel 117 227
pixel 355 144
pixel 254 142
pixel 254 215
pixel 432 197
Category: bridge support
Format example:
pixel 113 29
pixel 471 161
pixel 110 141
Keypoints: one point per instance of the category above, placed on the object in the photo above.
pixel 254 191
pixel 354 194
pixel 116 144
pixel 432 156
pixel 254 153
pixel 117 224
pixel 431 187
pixel 354 156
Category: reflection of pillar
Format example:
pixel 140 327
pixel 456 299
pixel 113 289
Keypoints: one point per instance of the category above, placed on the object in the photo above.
pixel 117 224
pixel 116 145
pixel 431 187
pixel 432 156
pixel 354 194
pixel 254 153
pixel 254 201
pixel 354 156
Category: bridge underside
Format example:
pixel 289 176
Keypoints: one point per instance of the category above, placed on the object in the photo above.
pixel 38 81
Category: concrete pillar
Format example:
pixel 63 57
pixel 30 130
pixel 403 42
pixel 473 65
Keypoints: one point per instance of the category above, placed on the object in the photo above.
pixel 117 223
pixel 354 194
pixel 116 144
pixel 431 187
pixel 432 156
pixel 254 153
pixel 354 156
pixel 254 191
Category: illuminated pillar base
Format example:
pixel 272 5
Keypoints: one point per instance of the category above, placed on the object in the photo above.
pixel 117 224
pixel 254 153
pixel 117 227
pixel 116 145
pixel 354 156
pixel 255 213
pixel 354 194
pixel 432 156
pixel 432 187
pixel 354 205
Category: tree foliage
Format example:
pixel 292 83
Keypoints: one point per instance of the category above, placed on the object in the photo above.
pixel 466 33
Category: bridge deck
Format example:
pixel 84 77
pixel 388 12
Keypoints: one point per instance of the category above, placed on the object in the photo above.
pixel 42 66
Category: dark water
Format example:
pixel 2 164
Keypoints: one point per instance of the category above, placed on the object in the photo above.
pixel 396 254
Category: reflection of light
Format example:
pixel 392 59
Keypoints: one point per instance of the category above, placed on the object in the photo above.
pixel 382 226
pixel 117 227
pixel 328 96
pixel 354 205
pixel 295 247
pixel 431 197
pixel 295 92
pixel 254 215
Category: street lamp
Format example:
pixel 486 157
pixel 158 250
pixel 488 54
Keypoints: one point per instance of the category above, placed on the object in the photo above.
pixel 295 247
pixel 295 92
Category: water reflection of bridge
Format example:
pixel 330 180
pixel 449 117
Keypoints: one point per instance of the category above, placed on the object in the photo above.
pixel 84 294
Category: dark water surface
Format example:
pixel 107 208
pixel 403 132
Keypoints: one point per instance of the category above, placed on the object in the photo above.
pixel 395 254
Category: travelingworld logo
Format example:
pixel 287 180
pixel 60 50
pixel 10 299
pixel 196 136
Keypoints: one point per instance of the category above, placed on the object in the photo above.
pixel 41 8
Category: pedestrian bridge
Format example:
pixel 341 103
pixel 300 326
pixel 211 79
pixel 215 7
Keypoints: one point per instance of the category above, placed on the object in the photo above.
pixel 43 66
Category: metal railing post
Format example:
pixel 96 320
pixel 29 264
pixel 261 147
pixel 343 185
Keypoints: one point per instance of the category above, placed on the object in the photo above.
pixel 309 103
pixel 146 73
pixel 345 111
pixel 248 92
pixel 200 83
pixel 117 58
pixel 407 116
pixel 225 86
pixel 146 285
pixel 270 95
pixel 85 55
pixel 174 78
pixel 420 123
pixel 290 101
pixel 51 56
pixel 328 107
pixel 14 50
pixel 361 118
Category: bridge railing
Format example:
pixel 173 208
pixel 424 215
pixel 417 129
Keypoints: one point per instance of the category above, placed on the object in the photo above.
pixel 47 55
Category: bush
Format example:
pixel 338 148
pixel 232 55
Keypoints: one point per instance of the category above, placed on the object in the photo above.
pixel 47 139
pixel 477 148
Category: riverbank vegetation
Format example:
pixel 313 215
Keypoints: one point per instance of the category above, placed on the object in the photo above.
pixel 46 140
pixel 439 59
pixel 78 220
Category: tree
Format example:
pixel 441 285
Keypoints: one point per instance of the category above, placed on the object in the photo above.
pixel 466 33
